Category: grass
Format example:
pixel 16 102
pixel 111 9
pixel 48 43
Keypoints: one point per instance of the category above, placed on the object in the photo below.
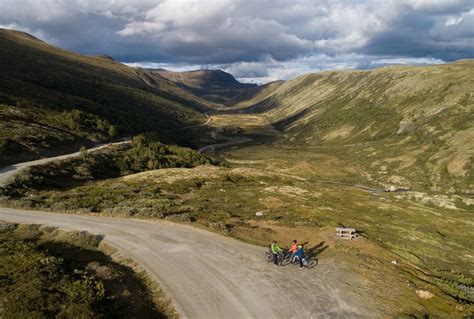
pixel 305 191
pixel 425 239
pixel 51 273
pixel 410 120
pixel 70 99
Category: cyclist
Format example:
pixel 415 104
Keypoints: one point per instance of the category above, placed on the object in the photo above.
pixel 300 255
pixel 293 249
pixel 275 250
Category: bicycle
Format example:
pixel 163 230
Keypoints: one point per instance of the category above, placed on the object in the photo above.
pixel 307 262
pixel 282 258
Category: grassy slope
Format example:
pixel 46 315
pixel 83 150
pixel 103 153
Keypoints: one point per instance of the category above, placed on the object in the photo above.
pixel 254 95
pixel 213 85
pixel 52 99
pixel 408 127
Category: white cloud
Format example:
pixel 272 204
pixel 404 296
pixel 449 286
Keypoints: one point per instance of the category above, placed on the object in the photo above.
pixel 264 39
pixel 271 70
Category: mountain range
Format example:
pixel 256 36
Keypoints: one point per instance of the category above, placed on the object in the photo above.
pixel 388 151
pixel 404 127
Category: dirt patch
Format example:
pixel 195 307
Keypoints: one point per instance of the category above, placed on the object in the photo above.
pixel 424 294
pixel 291 191
pixel 341 132
pixel 235 161
pixel 171 175
pixel 458 166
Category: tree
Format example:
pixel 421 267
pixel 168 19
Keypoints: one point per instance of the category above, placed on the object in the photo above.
pixel 112 131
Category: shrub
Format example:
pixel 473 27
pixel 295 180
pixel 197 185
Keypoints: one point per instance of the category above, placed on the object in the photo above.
pixel 85 290
pixel 148 153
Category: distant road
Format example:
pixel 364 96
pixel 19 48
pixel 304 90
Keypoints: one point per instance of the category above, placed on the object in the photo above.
pixel 234 142
pixel 211 276
pixel 209 120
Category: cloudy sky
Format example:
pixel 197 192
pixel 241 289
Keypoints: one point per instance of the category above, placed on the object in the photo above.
pixel 256 40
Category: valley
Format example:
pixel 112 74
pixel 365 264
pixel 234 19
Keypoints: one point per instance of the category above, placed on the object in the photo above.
pixel 387 151
pixel 303 193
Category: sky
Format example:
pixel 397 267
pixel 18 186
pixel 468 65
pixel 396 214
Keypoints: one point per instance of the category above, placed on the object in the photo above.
pixel 255 40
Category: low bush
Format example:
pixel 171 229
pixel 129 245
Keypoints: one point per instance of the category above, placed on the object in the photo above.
pixel 49 273
pixel 34 284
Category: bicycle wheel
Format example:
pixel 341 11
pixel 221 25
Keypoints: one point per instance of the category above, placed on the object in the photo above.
pixel 283 261
pixel 268 256
pixel 311 263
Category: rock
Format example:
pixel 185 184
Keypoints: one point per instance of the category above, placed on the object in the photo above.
pixel 393 189
pixel 259 214
pixel 424 294
pixel 394 262
pixel 405 127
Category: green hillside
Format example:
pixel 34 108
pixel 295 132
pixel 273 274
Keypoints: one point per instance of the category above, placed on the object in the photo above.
pixel 404 127
pixel 52 100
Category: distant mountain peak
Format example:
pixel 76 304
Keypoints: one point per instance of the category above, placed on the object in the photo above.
pixel 215 85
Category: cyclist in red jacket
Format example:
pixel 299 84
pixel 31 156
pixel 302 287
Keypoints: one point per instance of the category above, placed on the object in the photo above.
pixel 293 249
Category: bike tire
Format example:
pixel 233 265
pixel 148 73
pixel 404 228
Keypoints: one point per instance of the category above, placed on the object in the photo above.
pixel 311 263
pixel 284 261
pixel 268 256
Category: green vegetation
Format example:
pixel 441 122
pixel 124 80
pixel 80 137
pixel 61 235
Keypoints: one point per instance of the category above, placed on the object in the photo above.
pixel 145 152
pixel 433 254
pixel 387 151
pixel 148 153
pixel 48 273
pixel 404 127
pixel 70 99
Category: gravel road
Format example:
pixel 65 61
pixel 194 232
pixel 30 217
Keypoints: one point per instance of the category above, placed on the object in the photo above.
pixel 211 276
pixel 207 275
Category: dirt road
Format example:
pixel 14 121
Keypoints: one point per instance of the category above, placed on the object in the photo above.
pixel 211 276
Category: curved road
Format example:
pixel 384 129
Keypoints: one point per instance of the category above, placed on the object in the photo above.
pixel 211 276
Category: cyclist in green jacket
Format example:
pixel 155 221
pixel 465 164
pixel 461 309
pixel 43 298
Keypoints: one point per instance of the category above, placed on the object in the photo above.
pixel 275 250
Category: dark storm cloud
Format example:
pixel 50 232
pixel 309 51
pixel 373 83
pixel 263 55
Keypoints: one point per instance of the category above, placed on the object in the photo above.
pixel 245 35
pixel 441 31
